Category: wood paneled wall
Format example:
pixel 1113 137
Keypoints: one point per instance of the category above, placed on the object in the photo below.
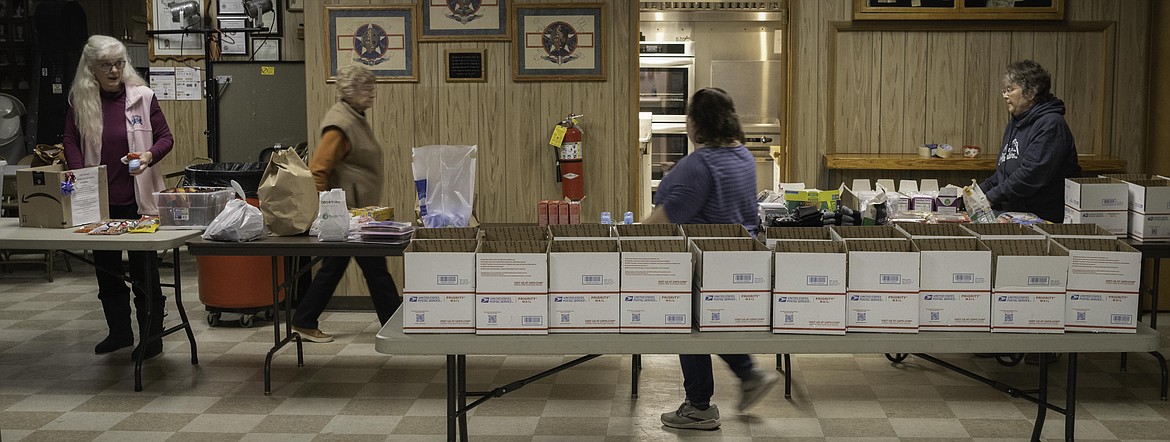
pixel 877 87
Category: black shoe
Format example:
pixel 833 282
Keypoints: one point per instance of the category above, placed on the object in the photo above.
pixel 112 343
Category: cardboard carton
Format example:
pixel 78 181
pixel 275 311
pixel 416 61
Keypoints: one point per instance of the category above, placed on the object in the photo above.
pixel 1149 228
pixel 705 231
pixel 734 277
pixel 919 230
pixel 439 290
pixel 882 286
pixel 772 235
pixel 1028 286
pixel 998 231
pixel 1104 285
pixel 511 287
pixel 866 232
pixel 584 289
pixel 656 278
pixel 515 233
pixel 1149 196
pixel 649 231
pixel 581 231
pixel 808 294
pixel 464 233
pixel 1115 221
pixel 955 284
pixel 1089 194
pixel 43 204
pixel 1073 231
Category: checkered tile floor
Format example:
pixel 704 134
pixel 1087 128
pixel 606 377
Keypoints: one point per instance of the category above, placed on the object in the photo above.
pixel 52 387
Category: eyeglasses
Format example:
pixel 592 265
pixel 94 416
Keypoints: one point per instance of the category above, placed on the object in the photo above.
pixel 107 67
pixel 1008 89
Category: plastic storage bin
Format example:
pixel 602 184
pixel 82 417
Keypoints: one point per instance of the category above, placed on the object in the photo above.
pixel 190 207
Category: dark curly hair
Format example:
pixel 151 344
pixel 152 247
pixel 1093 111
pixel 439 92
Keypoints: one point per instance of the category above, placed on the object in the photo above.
pixel 712 118
pixel 1032 78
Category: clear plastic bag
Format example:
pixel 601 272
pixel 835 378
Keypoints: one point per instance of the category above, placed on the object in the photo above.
pixel 238 221
pixel 444 177
pixel 978 207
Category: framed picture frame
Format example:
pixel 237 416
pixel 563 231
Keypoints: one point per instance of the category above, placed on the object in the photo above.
pixel 163 18
pixel 466 65
pixel 559 42
pixel 295 5
pixel 482 20
pixel 265 49
pixel 232 43
pixel 383 38
pixel 230 7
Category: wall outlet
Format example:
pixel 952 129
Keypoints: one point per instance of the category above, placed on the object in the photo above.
pixel 223 79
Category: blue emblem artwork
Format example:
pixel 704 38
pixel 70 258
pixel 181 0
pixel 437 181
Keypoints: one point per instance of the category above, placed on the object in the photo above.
pixel 464 11
pixel 559 40
pixel 371 44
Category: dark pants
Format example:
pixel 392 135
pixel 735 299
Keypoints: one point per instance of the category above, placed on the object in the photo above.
pixel 112 290
pixel 698 380
pixel 382 289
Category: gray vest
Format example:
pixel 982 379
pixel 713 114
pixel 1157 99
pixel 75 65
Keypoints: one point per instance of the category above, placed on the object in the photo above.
pixel 360 172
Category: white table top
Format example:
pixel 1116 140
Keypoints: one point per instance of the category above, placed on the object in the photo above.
pixel 391 340
pixel 12 236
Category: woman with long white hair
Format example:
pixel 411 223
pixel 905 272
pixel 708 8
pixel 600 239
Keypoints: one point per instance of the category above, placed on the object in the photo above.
pixel 114 120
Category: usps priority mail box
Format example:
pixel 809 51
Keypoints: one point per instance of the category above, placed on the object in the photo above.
pixel 584 290
pixel 955 284
pixel 882 286
pixel 734 284
pixel 439 290
pixel 648 231
pixel 1149 196
pixel 1115 221
pixel 1104 286
pixel 996 231
pixel 1089 194
pixel 808 293
pixel 656 278
pixel 1028 286
pixel 511 287
pixel 1149 228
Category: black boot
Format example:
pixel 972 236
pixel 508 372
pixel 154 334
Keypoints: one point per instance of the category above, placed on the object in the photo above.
pixel 147 328
pixel 117 312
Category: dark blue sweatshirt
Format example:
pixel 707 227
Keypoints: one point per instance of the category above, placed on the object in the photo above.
pixel 1038 153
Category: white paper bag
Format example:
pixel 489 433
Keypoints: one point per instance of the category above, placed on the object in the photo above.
pixel 333 216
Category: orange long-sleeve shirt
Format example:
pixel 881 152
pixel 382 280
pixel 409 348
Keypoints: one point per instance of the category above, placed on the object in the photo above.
pixel 331 149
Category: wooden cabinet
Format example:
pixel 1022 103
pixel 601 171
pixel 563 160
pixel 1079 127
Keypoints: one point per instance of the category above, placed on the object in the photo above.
pixel 16 49
pixel 958 9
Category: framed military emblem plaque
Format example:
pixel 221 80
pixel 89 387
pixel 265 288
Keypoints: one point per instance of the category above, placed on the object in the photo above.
pixel 383 38
pixel 465 20
pixel 559 42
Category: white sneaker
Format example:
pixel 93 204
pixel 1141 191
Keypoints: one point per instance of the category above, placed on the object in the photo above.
pixel 760 381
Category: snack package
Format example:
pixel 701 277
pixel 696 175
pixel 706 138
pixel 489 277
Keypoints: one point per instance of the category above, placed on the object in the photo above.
pixel 147 224
pixel 115 227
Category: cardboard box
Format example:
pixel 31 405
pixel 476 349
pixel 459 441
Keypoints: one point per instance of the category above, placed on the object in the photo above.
pixel 1104 285
pixel 821 199
pixel 649 231
pixel 464 233
pixel 563 213
pixel 1086 194
pixel 515 233
pixel 511 287
pixel 997 231
pixel 706 231
pixel 772 235
pixel 656 286
pixel 42 203
pixel 920 230
pixel 1150 196
pixel 808 293
pixel 542 213
pixel 1073 231
pixel 882 286
pixel 1115 221
pixel 574 212
pixel 955 284
pixel 581 231
pixel 867 232
pixel 584 290
pixel 1028 286
pixel 1149 228
pixel 734 278
pixel 439 289
pixel 948 200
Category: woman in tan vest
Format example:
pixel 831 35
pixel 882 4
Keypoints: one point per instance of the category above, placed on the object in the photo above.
pixel 349 157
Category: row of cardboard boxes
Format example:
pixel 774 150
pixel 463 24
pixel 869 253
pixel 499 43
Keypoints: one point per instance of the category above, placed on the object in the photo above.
pixel 979 277
pixel 1133 205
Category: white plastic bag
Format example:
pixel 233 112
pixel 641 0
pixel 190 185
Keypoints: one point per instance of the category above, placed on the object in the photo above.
pixel 238 221
pixel 332 216
pixel 444 177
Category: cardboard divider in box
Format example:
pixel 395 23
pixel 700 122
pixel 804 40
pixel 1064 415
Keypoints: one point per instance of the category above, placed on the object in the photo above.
pixel 656 278
pixel 511 287
pixel 733 282
pixel 581 231
pixel 772 235
pixel 705 231
pixel 920 230
pixel 994 231
pixel 584 286
pixel 43 204
pixel 1028 286
pixel 515 233
pixel 955 284
pixel 808 292
pixel 439 289
pixel 1128 176
pixel 882 286
pixel 1104 285
pixel 649 231
pixel 867 232
pixel 463 233
pixel 1073 231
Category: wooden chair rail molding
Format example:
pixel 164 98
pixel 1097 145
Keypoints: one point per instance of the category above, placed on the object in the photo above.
pixel 1090 164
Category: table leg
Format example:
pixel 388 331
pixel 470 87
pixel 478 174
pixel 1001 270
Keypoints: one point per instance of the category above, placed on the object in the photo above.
pixel 182 311
pixel 140 349
pixel 1154 293
pixel 1162 365
pixel 1070 399
pixel 461 373
pixel 787 376
pixel 290 283
pixel 1042 398
pixel 452 419
pixel 635 369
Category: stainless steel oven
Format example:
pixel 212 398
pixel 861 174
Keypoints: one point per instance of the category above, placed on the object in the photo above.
pixel 666 79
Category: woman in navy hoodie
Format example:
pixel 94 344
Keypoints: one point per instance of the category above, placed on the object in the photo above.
pixel 1038 150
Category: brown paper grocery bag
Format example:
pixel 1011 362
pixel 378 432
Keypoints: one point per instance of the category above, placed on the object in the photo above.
pixel 288 196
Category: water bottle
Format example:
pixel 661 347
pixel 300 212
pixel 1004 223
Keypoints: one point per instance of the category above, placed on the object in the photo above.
pixel 605 219
pixel 628 218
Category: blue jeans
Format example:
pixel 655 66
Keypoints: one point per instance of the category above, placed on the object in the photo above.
pixel 698 380
pixel 382 289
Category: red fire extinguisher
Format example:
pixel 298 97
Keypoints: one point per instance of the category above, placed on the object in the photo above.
pixel 570 161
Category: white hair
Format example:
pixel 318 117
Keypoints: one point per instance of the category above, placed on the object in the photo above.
pixel 84 94
pixel 352 79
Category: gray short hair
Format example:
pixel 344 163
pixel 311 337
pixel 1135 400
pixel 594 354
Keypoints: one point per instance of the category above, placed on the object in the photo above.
pixel 1032 78
pixel 351 79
